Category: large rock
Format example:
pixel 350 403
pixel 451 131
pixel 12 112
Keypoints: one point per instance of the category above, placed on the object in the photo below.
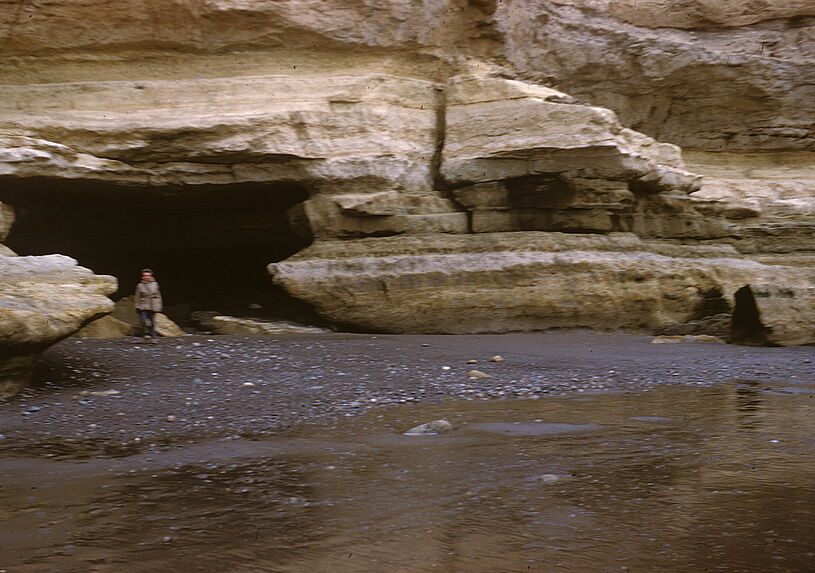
pixel 43 300
pixel 529 281
pixel 106 327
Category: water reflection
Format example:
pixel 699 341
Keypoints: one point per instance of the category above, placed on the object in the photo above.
pixel 675 479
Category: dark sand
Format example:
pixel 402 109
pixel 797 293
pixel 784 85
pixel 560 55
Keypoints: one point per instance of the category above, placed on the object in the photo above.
pixel 195 388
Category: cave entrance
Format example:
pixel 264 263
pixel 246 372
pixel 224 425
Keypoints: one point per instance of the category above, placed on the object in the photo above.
pixel 208 244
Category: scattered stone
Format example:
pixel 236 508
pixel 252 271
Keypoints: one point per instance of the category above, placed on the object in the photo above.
pixel 248 384
pixel 477 374
pixel 497 358
pixel 472 362
pixel 171 418
pixel 431 428
pixel 99 392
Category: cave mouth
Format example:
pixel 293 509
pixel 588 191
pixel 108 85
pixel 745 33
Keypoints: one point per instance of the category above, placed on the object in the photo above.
pixel 209 245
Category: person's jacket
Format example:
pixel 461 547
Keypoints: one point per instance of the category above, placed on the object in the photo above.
pixel 148 296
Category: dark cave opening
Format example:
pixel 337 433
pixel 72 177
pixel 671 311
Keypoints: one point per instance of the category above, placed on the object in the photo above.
pixel 208 244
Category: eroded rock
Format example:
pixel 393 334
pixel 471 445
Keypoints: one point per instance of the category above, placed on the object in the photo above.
pixel 530 281
pixel 43 300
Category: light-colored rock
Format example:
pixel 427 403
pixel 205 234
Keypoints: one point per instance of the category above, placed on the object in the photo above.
pixel 431 428
pixel 668 339
pixel 105 327
pixel 477 374
pixel 43 300
pixel 530 281
pixel 379 119
pixel 166 327
pixel 517 133
pixel 520 161
pixel 701 74
pixel 767 198
pixel 250 326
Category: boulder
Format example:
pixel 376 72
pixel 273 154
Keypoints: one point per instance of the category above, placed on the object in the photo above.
pixel 105 327
pixel 43 300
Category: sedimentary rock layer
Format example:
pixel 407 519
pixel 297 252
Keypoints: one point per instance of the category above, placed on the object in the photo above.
pixel 530 281
pixel 453 123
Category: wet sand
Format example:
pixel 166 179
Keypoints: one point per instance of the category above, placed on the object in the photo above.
pixel 99 398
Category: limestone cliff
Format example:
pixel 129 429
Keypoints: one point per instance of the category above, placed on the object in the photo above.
pixel 190 134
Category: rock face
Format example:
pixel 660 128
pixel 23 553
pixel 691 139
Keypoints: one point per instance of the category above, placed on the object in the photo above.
pixel 534 281
pixel 43 300
pixel 469 166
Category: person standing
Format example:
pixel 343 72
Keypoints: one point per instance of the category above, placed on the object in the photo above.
pixel 148 302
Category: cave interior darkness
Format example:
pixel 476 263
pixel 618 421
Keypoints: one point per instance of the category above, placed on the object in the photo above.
pixel 208 244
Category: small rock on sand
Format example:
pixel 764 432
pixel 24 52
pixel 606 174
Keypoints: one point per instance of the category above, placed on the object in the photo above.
pixel 431 428
pixel 477 374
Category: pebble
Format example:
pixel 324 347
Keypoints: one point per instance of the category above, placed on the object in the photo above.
pixel 171 418
pixel 248 384
pixel 477 374
pixel 472 362
pixel 497 358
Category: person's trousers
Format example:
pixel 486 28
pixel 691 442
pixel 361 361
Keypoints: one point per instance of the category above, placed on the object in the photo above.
pixel 146 316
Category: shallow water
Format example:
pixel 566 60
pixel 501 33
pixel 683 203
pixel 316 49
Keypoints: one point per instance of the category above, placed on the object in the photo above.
pixel 671 479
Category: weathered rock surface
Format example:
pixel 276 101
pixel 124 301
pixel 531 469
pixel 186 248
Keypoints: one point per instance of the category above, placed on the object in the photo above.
pixel 531 281
pixel 43 300
pixel 463 118
pixel 105 327
pixel 722 76
pixel 236 325
pixel 767 199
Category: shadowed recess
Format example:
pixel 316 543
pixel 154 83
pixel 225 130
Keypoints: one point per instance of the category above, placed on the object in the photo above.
pixel 208 244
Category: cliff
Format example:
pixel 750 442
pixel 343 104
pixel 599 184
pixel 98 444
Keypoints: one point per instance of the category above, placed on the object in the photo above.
pixel 231 134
